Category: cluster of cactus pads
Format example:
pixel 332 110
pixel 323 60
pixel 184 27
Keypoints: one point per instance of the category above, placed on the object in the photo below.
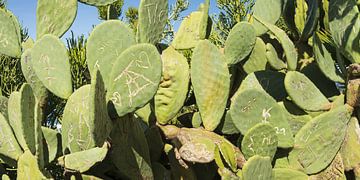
pixel 263 106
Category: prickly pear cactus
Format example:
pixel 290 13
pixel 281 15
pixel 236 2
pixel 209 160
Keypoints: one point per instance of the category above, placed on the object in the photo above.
pixel 152 19
pixel 97 2
pixel 240 42
pixel 54 17
pixel 105 44
pixel 4 107
pixel 304 93
pixel 315 144
pixel 53 144
pixel 135 78
pixel 21 117
pixel 260 140
pixel 50 62
pixel 173 87
pixel 273 59
pixel 252 106
pixel 286 173
pixel 350 151
pixel 9 34
pixel 257 167
pixel 211 81
pixel 257 60
pixel 10 150
pixel 28 167
pixel 269 10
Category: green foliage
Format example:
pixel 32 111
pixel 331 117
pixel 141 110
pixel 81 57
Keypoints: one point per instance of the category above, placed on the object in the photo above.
pixel 111 11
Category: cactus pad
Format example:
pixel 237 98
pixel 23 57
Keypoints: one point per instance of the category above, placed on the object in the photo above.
pixel 105 44
pixel 273 59
pixel 53 143
pixel 153 15
pixel 240 42
pixel 257 168
pixel 21 117
pixel 9 149
pixel 228 153
pixel 28 71
pixel 98 2
pixel 350 149
pixel 211 82
pixel 269 11
pixel 296 117
pixel 28 167
pixel 325 61
pixel 286 43
pixel 50 62
pixel 261 140
pixel 304 93
pixel 317 143
pixel 285 174
pixel 334 171
pixel 4 107
pixel 257 60
pixel 173 88
pixel 135 78
pixel 252 106
pixel 269 81
pixel 54 17
pixel 9 34
pixel 84 160
pixel 227 126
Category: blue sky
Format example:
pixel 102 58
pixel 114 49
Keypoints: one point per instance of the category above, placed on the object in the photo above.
pixel 87 16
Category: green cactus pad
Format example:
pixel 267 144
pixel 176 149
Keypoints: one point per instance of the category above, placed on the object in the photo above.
pixel 84 160
pixel 4 107
pixel 135 78
pixel 76 124
pixel 344 25
pixel 228 153
pixel 39 139
pixel 28 44
pixel 192 29
pixel 269 81
pixel 21 117
pixel 300 15
pixel 350 149
pixel 260 140
pixel 105 44
pixel 28 167
pixel 240 42
pixel 286 43
pixel 269 11
pixel 196 120
pixel 257 168
pixel 226 174
pixel 211 82
pixel 227 126
pixel 5 177
pixel 311 20
pixel 317 143
pixel 54 17
pixel 129 140
pixel 334 171
pixel 304 93
pixel 257 60
pixel 296 117
pixel 53 144
pixel 252 106
pixel 50 62
pixel 9 34
pixel 153 15
pixel 325 61
pixel 286 174
pixel 273 59
pixel 9 149
pixel 173 88
pixel 98 2
pixel 101 124
pixel 26 67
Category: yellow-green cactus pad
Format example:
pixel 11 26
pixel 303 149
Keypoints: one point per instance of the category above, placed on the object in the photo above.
pixel 105 44
pixel 21 117
pixel 28 167
pixel 253 106
pixel 10 43
pixel 98 2
pixel 174 84
pixel 269 10
pixel 304 93
pixel 211 82
pixel 257 60
pixel 9 149
pixel 317 143
pixel 240 42
pixel 286 174
pixel 257 168
pixel 54 17
pixel 4 107
pixel 153 15
pixel 350 149
pixel 51 64
pixel 273 58
pixel 53 144
pixel 135 78
pixel 260 140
